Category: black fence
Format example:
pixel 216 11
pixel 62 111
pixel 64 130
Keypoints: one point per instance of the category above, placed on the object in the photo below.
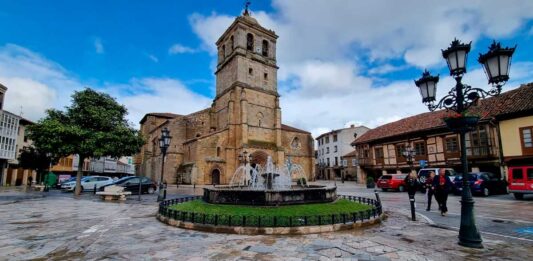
pixel 271 221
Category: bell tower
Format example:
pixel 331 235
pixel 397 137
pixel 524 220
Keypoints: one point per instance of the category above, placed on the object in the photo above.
pixel 246 56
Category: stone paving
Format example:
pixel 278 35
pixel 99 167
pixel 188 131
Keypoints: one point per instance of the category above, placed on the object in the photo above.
pixel 59 227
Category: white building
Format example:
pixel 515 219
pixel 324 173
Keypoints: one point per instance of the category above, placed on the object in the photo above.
pixel 9 128
pixel 332 146
pixel 111 165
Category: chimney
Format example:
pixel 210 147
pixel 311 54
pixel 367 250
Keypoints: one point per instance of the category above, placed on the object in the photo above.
pixel 352 126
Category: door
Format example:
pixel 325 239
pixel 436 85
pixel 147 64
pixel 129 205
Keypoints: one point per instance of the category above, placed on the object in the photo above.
pixel 517 179
pixel 132 185
pixel 88 183
pixel 529 178
pixel 215 177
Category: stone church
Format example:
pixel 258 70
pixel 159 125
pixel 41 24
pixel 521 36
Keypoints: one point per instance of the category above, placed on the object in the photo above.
pixel 244 118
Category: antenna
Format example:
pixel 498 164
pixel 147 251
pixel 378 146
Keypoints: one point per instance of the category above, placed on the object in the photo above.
pixel 21 112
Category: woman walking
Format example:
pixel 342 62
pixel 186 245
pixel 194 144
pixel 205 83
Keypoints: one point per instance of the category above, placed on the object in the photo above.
pixel 443 186
pixel 430 189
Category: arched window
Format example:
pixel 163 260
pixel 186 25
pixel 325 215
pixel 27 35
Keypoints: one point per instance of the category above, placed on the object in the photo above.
pixel 250 42
pixel 265 48
pixel 232 45
pixel 223 50
pixel 218 151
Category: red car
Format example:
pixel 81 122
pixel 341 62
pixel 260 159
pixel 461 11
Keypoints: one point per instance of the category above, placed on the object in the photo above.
pixel 521 181
pixel 392 181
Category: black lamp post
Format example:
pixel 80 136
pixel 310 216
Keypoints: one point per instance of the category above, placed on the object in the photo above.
pixel 409 153
pixel 164 143
pixel 496 63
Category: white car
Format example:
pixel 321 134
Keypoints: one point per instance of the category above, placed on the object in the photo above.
pixel 87 183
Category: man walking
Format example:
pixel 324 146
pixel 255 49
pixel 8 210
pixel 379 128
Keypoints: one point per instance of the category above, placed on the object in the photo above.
pixel 443 186
pixel 430 189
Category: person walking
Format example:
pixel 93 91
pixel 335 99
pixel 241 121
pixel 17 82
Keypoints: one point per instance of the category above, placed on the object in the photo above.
pixel 430 189
pixel 411 184
pixel 443 186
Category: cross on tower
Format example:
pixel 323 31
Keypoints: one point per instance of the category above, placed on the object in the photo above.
pixel 246 5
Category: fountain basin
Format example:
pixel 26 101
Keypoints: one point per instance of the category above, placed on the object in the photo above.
pixel 270 197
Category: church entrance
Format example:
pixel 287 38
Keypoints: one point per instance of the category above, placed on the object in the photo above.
pixel 215 177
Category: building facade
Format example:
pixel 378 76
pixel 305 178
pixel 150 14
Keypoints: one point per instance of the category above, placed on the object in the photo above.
pixel 332 146
pixel 245 117
pixel 500 138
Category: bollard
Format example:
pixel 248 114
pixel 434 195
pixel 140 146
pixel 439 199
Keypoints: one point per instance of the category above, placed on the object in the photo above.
pixel 94 191
pixel 412 200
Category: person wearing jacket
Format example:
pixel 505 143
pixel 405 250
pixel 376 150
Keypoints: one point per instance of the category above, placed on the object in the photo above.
pixel 411 183
pixel 430 189
pixel 443 186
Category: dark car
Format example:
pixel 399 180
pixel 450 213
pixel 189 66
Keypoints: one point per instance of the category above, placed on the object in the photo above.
pixel 483 183
pixel 132 184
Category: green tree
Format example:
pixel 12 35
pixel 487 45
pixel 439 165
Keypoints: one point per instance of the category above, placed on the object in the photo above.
pixel 31 158
pixel 93 126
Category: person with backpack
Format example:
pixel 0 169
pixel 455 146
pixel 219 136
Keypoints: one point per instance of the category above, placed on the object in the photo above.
pixel 443 185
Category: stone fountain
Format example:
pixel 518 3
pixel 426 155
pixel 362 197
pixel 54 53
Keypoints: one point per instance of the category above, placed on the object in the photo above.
pixel 269 185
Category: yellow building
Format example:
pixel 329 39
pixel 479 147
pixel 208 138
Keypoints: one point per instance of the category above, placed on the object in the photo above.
pixel 245 116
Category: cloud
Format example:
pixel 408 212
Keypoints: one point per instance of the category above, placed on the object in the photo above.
pixel 178 49
pixel 37 84
pixel 321 79
pixel 98 46
pixel 153 58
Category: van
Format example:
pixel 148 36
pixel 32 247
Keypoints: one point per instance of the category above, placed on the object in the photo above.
pixel 521 181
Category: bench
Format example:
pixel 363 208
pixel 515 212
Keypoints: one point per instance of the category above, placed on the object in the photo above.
pixel 113 193
pixel 38 187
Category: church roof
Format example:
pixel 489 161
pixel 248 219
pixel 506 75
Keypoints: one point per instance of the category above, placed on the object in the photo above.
pixel 166 115
pixel 289 128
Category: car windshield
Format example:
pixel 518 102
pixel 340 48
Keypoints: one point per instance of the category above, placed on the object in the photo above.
pixel 386 177
pixel 400 176
pixel 122 180
pixel 471 177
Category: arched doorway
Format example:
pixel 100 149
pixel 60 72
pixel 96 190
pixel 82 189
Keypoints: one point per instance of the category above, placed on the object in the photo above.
pixel 215 177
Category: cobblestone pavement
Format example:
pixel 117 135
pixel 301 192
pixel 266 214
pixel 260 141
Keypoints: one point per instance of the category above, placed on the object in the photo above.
pixel 59 227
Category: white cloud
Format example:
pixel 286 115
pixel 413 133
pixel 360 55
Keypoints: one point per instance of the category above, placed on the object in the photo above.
pixel 153 58
pixel 98 46
pixel 322 43
pixel 178 48
pixel 37 84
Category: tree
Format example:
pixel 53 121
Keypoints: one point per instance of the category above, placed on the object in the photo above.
pixel 31 158
pixel 93 126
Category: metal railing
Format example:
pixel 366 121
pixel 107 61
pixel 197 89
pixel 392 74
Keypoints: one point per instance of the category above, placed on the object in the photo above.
pixel 271 221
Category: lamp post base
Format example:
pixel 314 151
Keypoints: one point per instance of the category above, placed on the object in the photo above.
pixel 468 233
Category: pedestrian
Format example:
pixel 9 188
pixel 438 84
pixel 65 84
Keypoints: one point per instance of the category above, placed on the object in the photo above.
pixel 411 184
pixel 30 179
pixel 430 189
pixel 443 186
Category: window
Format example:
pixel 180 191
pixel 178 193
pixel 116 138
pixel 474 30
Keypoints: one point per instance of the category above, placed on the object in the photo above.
pixel 327 150
pixel 518 174
pixel 327 161
pixel 526 140
pixel 265 48
pixel 378 152
pixel 334 137
pixel 327 139
pixel 354 162
pixel 265 76
pixel 420 148
pixel 335 148
pixel 399 152
pixel 223 50
pixel 231 43
pixel 345 163
pixel 250 42
pixel 250 71
pixel 336 161
pixel 529 173
pixel 477 142
pixel 322 151
pixel 218 151
pixel 451 145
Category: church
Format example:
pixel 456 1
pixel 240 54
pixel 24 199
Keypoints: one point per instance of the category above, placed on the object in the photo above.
pixel 242 124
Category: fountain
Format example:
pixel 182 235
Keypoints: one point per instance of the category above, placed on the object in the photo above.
pixel 269 185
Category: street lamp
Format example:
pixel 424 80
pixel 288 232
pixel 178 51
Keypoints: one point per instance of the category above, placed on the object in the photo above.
pixel 164 143
pixel 409 153
pixel 496 63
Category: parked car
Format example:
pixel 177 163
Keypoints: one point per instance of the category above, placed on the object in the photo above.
pixel 483 183
pixel 61 182
pixel 521 181
pixel 87 183
pixel 392 181
pixel 132 184
pixel 424 173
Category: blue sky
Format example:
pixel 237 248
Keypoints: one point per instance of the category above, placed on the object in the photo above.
pixel 340 61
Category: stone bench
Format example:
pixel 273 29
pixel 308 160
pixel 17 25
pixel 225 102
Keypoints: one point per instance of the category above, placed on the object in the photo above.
pixel 113 193
pixel 38 187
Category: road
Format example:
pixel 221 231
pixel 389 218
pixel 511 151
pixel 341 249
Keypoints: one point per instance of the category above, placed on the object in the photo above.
pixel 499 215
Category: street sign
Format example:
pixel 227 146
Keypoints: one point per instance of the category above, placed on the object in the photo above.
pixel 423 163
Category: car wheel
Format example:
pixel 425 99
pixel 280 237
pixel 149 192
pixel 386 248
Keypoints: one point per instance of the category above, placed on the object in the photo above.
pixel 486 192
pixel 518 195
pixel 401 188
pixel 151 190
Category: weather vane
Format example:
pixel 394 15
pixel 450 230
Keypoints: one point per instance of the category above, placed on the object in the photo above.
pixel 246 5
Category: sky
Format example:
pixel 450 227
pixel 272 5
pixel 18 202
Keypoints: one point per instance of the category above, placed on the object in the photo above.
pixel 341 62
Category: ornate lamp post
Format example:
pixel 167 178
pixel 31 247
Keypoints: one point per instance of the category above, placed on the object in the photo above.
pixel 409 153
pixel 164 143
pixel 496 63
